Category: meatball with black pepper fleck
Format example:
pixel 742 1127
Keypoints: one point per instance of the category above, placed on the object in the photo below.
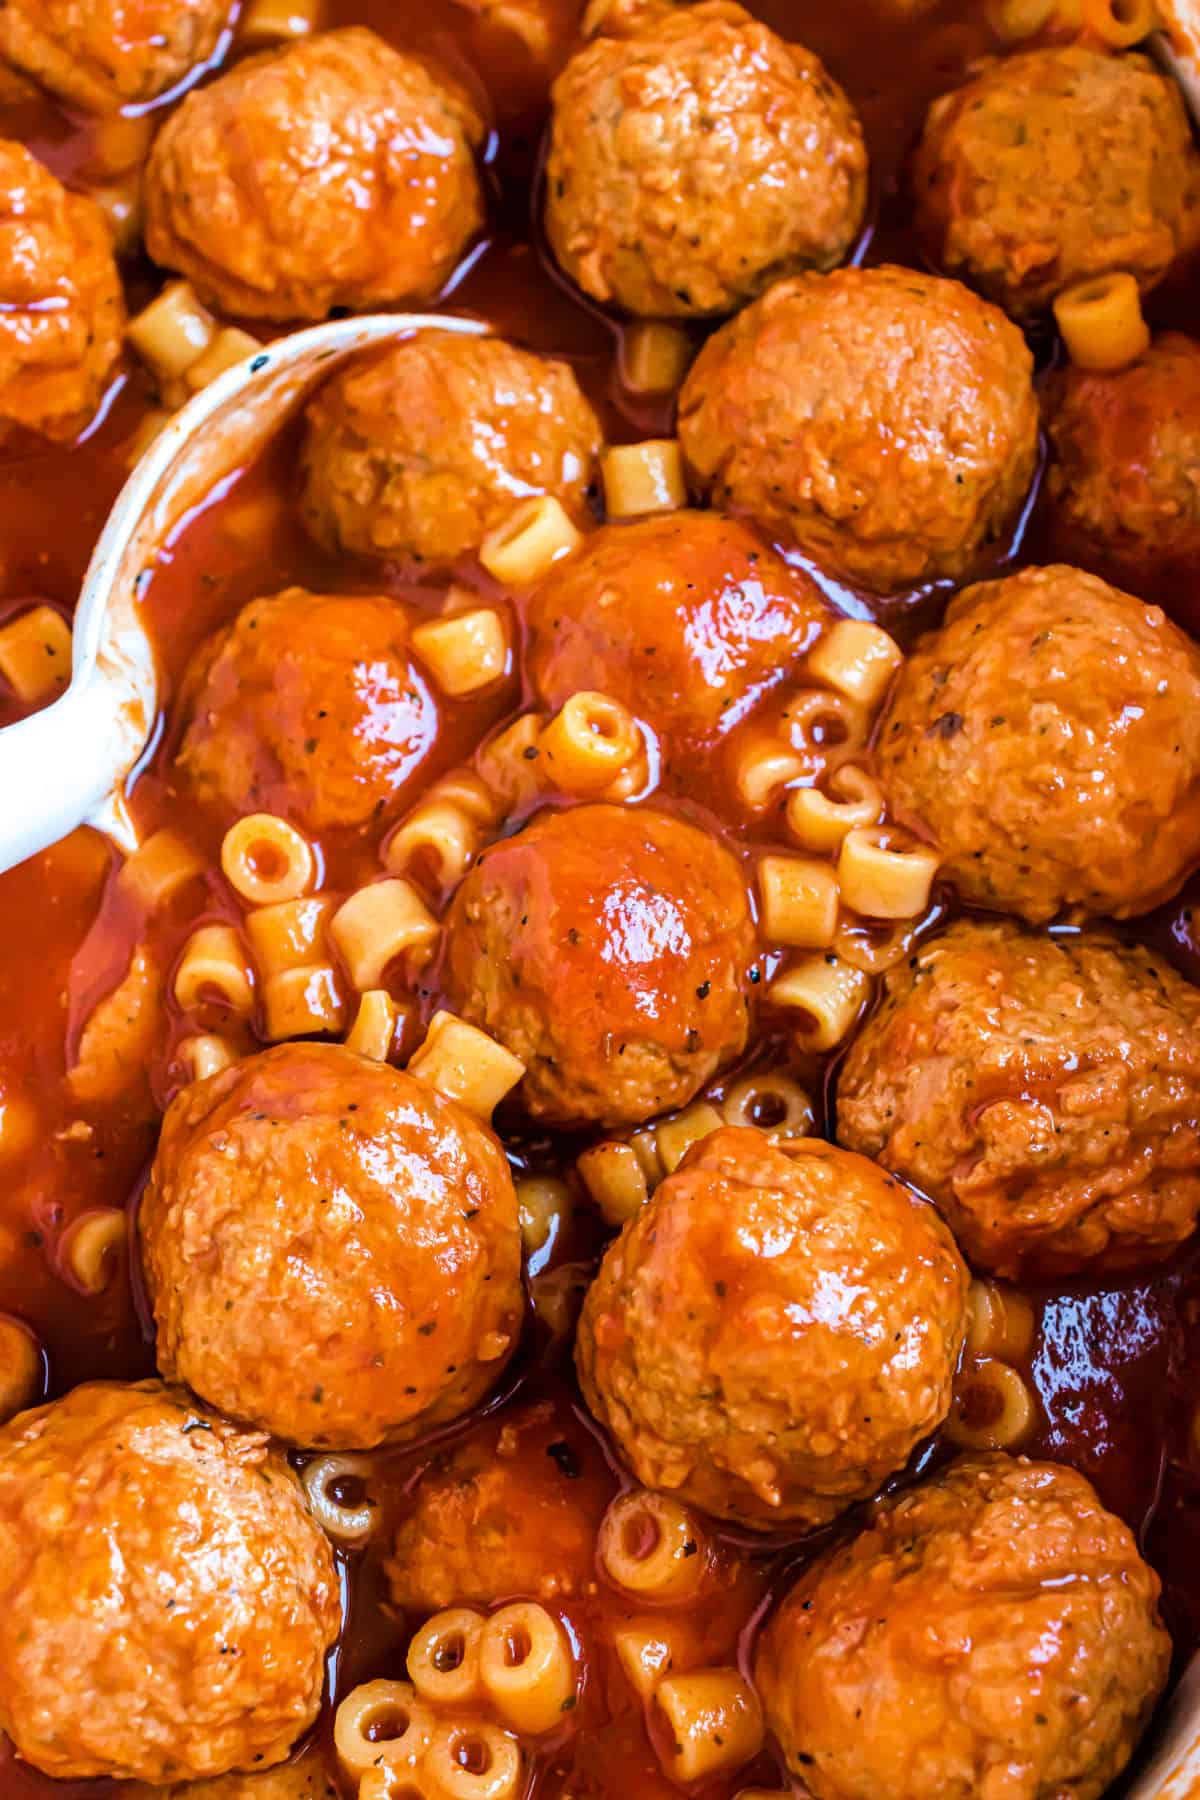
pixel 140 1532
pixel 772 1335
pixel 106 54
pixel 993 1632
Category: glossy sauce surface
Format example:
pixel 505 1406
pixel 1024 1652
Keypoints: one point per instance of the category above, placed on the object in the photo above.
pixel 1114 1366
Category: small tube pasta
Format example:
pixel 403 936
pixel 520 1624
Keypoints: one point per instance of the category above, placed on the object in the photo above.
pixel 230 347
pixel 1000 1321
pixel 1101 323
pixel 466 1065
pixel 769 1102
pixel 379 923
pixel 654 356
pixel 818 720
pixel 763 767
pixel 799 901
pixel 172 332
pixel 526 1666
pixel 373 1033
pixel 267 22
pixel 1015 20
pixel 381 1723
pixel 872 945
pixel 303 1002
pixel 544 1209
pixel 535 535
pixel 22 1367
pixel 715 1721
pixel 206 1055
pixel 885 875
pixel 214 967
pixel 646 1650
pixel 159 868
pixel 443 1657
pixel 615 1180
pixel 264 859
pixel 121 203
pixel 438 833
pixel 474 1761
pixel 35 654
pixel 993 1408
pixel 857 659
pixel 825 994
pixel 93 1248
pixel 291 934
pixel 510 763
pixel 640 479
pixel 819 819
pixel 675 1136
pixel 346 1521
pixel 150 428
pixel 464 653
pixel 588 743
pixel 652 1546
pixel 1120 23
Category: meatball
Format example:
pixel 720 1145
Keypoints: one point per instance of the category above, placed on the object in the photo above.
pixel 993 1632
pixel 1048 738
pixel 370 1220
pixel 1124 474
pixel 307 1780
pixel 1044 1092
pixel 62 311
pixel 1053 166
pixel 687 619
pixel 106 54
pixel 775 1331
pixel 512 1512
pixel 609 948
pixel 337 172
pixel 140 1533
pixel 419 453
pixel 883 420
pixel 308 704
pixel 694 157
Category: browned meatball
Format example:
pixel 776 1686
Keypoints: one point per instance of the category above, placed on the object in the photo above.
pixel 1053 166
pixel 62 312
pixel 1048 738
pixel 1124 474
pixel 883 420
pixel 1045 1092
pixel 337 172
pixel 141 1536
pixel 309 705
pixel 688 620
pixel 420 452
pixel 105 54
pixel 331 1248
pixel 306 1780
pixel 774 1333
pixel 994 1632
pixel 609 948
pixel 694 157
pixel 513 1512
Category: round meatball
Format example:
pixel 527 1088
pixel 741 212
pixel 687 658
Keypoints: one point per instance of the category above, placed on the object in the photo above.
pixel 138 1533
pixel 62 311
pixel 1054 166
pixel 338 172
pixel 694 157
pixel 511 1513
pixel 306 1780
pixel 1124 472
pixel 775 1331
pixel 993 1632
pixel 609 948
pixel 688 620
pixel 1044 1092
pixel 106 54
pixel 309 705
pixel 420 452
pixel 371 1220
pixel 1048 739
pixel 883 420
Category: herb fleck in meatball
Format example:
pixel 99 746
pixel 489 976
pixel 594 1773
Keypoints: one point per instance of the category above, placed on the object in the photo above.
pixel 1048 737
pixel 1053 166
pixel 1045 1092
pixel 308 704
pixel 140 1533
pixel 694 157
pixel 881 419
pixel 62 312
pixel 420 452
pixel 775 1331
pixel 361 1220
pixel 337 172
pixel 609 948
pixel 106 54
pixel 993 1632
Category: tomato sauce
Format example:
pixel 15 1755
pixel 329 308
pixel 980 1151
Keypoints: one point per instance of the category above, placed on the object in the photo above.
pixel 1114 1365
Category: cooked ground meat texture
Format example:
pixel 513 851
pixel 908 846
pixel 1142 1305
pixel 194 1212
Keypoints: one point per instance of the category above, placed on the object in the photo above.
pixel 373 1221
pixel 106 54
pixel 336 172
pixel 1048 739
pixel 775 1331
pixel 308 705
pixel 62 311
pixel 305 1780
pixel 993 1631
pixel 1044 1091
pixel 609 948
pixel 1124 472
pixel 882 419
pixel 1053 166
pixel 688 620
pixel 420 452
pixel 695 157
pixel 138 1532
pixel 511 1514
